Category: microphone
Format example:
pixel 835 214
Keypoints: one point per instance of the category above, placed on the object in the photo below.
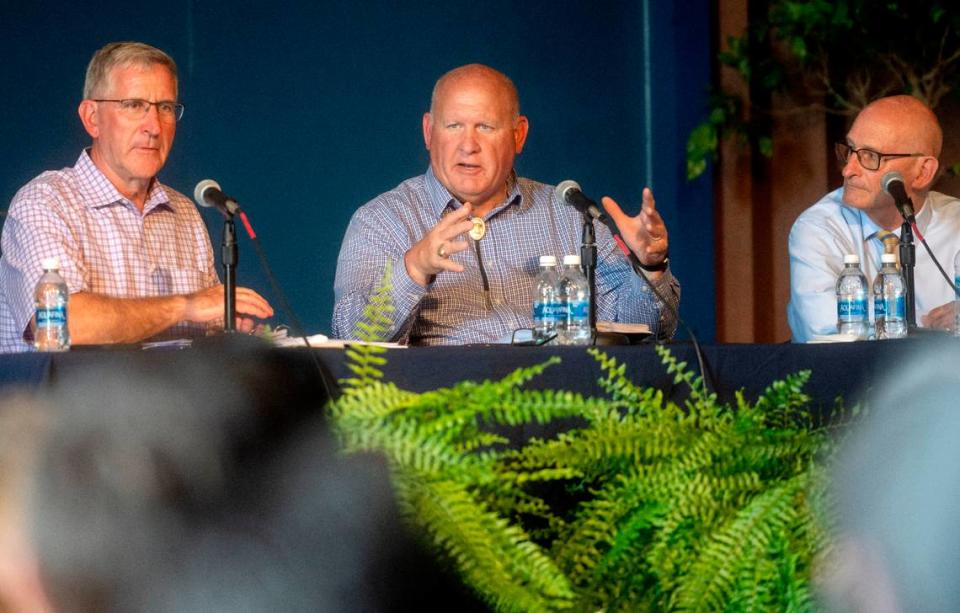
pixel 570 193
pixel 208 194
pixel 892 183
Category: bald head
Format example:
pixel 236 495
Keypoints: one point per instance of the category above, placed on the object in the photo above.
pixel 910 123
pixel 905 135
pixel 477 74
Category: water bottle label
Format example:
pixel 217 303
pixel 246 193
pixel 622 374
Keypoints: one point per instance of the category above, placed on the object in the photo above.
pixel 545 311
pixel 852 309
pixel 579 310
pixel 895 308
pixel 878 308
pixel 51 317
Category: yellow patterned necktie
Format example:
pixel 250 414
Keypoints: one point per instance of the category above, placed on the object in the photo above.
pixel 891 243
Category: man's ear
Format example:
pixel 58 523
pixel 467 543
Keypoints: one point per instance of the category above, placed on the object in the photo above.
pixel 90 117
pixel 928 173
pixel 427 129
pixel 520 133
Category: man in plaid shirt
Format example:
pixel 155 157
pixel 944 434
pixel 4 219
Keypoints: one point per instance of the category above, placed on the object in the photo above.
pixel 135 254
pixel 463 239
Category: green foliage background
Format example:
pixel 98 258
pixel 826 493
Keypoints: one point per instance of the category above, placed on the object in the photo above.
pixel 644 504
pixel 830 55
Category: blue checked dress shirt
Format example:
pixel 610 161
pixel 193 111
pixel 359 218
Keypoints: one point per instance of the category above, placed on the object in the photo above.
pixel 105 245
pixel 453 308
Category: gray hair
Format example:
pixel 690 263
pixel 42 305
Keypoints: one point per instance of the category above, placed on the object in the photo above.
pixel 125 53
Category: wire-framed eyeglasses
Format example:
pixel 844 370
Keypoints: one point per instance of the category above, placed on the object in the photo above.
pixel 868 158
pixel 137 108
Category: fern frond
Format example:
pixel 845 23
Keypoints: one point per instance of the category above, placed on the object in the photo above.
pixel 374 326
pixel 712 578
pixel 497 558
pixel 621 388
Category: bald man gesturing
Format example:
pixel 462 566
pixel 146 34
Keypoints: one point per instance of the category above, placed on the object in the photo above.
pixel 464 239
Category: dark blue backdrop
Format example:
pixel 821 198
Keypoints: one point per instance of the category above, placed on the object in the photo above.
pixel 306 110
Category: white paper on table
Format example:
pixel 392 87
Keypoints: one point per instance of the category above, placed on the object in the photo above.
pixel 281 339
pixel 834 338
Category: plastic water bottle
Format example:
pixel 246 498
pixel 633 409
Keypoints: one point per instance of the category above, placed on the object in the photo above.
pixel 574 294
pixel 51 298
pixel 956 299
pixel 852 299
pixel 889 302
pixel 545 300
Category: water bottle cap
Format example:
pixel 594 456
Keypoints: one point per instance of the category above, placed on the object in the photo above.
pixel 50 263
pixel 571 260
pixel 548 260
pixel 851 258
pixel 888 258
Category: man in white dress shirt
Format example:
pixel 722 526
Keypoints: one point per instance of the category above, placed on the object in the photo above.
pixel 897 133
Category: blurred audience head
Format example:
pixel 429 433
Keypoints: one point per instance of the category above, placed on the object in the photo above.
pixel 207 482
pixel 897 485
pixel 23 426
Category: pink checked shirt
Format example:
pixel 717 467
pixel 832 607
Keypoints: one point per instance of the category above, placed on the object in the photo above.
pixel 105 245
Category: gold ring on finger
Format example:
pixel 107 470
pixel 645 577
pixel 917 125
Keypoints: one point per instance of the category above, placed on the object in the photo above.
pixel 442 250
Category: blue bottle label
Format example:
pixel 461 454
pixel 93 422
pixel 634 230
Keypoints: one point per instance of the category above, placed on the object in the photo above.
pixel 878 307
pixel 852 309
pixel 545 311
pixel 51 317
pixel 579 310
pixel 895 308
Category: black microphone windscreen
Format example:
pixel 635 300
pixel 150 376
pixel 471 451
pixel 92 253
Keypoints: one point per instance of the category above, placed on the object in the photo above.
pixel 889 182
pixel 200 191
pixel 564 188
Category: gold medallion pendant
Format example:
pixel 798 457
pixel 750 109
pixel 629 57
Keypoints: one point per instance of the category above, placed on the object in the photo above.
pixel 479 229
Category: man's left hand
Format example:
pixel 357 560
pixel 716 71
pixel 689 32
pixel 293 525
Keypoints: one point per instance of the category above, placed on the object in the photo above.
pixel 645 234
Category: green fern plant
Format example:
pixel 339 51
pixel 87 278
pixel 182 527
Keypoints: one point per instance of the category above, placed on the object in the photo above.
pixel 643 504
pixel 365 359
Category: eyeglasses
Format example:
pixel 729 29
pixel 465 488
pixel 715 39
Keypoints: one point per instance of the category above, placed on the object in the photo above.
pixel 528 336
pixel 868 158
pixel 136 108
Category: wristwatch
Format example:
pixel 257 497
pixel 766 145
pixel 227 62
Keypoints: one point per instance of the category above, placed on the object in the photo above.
pixel 662 266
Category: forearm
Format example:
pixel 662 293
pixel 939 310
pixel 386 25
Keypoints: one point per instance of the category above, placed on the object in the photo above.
pixel 404 299
pixel 632 301
pixel 96 319
pixel 668 287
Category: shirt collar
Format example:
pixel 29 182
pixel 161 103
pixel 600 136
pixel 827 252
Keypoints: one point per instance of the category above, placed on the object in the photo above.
pixel 925 215
pixel 441 198
pixel 870 228
pixel 98 191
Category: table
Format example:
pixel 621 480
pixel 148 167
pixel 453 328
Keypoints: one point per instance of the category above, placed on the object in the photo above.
pixel 842 370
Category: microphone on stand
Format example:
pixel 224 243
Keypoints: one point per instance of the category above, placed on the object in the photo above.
pixel 892 183
pixel 207 193
pixel 569 192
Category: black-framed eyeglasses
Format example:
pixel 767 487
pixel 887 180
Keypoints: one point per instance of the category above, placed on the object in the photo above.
pixel 529 336
pixel 137 108
pixel 868 158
